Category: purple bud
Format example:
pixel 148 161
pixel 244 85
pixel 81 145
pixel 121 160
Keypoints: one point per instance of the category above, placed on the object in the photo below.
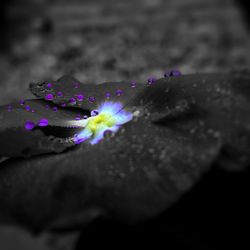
pixel 85 117
pixel 43 122
pixel 63 105
pixel 32 110
pixel 29 125
pixel 49 97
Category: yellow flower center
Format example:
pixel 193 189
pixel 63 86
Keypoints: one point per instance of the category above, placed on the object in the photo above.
pixel 100 121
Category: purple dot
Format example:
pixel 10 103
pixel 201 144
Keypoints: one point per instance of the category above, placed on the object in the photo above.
pixel 91 99
pixel 63 105
pixel 80 97
pixel 59 94
pixel 49 97
pixel 32 110
pixel 43 122
pixel 85 117
pixel 133 84
pixel 55 109
pixel 22 102
pixel 47 106
pixel 72 100
pixel 151 80
pixel 175 73
pixel 94 112
pixel 49 85
pixel 76 85
pixel 107 95
pixel 119 92
pixel 29 125
pixel 27 108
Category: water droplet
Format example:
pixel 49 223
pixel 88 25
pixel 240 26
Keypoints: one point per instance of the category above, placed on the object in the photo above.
pixel 151 80
pixel 133 84
pixel 91 99
pixel 9 108
pixel 72 100
pixel 43 122
pixel 78 117
pixel 27 108
pixel 175 73
pixel 22 102
pixel 49 97
pixel 55 109
pixel 80 97
pixel 29 125
pixel 119 92
pixel 94 112
pixel 59 94
pixel 76 85
pixel 107 95
pixel 167 74
pixel 49 85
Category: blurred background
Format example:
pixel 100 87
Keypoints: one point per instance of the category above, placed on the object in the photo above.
pixel 107 40
pixel 110 40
